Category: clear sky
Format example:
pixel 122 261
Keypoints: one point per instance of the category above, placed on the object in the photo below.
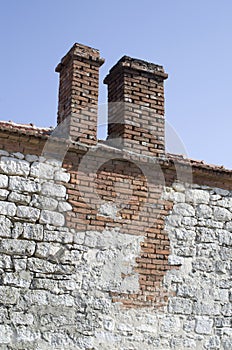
pixel 191 39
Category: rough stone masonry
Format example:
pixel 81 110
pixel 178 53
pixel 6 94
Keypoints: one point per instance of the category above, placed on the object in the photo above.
pixel 111 244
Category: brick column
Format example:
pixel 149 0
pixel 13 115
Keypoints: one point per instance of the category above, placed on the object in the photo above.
pixel 138 117
pixel 78 92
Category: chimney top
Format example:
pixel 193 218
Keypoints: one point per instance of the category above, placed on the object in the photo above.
pixel 135 64
pixel 78 93
pixel 82 53
pixel 138 121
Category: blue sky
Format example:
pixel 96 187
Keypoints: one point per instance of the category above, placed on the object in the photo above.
pixel 191 39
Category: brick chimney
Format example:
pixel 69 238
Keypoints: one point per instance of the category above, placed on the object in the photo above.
pixel 138 116
pixel 78 93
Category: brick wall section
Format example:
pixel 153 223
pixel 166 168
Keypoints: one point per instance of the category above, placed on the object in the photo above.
pixel 138 209
pixel 78 93
pixel 138 116
pixel 21 143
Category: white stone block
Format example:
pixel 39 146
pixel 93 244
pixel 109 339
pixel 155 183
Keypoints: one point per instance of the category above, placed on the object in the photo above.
pixel 53 190
pixel 12 166
pixel 6 334
pixel 3 194
pixel 197 196
pixel 45 249
pixel 18 155
pixel 204 211
pixel 19 198
pixel 175 260
pixel 180 306
pixel 170 324
pixel 21 184
pixel 184 209
pixel 32 231
pixel 31 158
pixel 21 318
pixel 3 181
pixel 7 208
pixel 9 295
pixel 43 202
pixel 229 226
pixel 52 218
pixel 21 279
pixel 178 187
pixel 42 170
pixel 61 237
pixel 29 213
pixel 17 247
pixel 225 202
pixel 64 206
pixel 224 237
pixel 61 176
pixel 5 226
pixel 222 214
pixel 174 220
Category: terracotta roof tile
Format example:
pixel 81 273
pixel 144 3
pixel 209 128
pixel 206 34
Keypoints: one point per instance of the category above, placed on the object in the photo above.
pixel 196 163
pixel 28 129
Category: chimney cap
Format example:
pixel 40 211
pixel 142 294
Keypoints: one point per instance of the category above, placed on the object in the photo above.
pixel 81 52
pixel 135 64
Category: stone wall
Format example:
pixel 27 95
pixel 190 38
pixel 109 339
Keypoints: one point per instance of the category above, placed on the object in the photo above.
pixel 58 282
